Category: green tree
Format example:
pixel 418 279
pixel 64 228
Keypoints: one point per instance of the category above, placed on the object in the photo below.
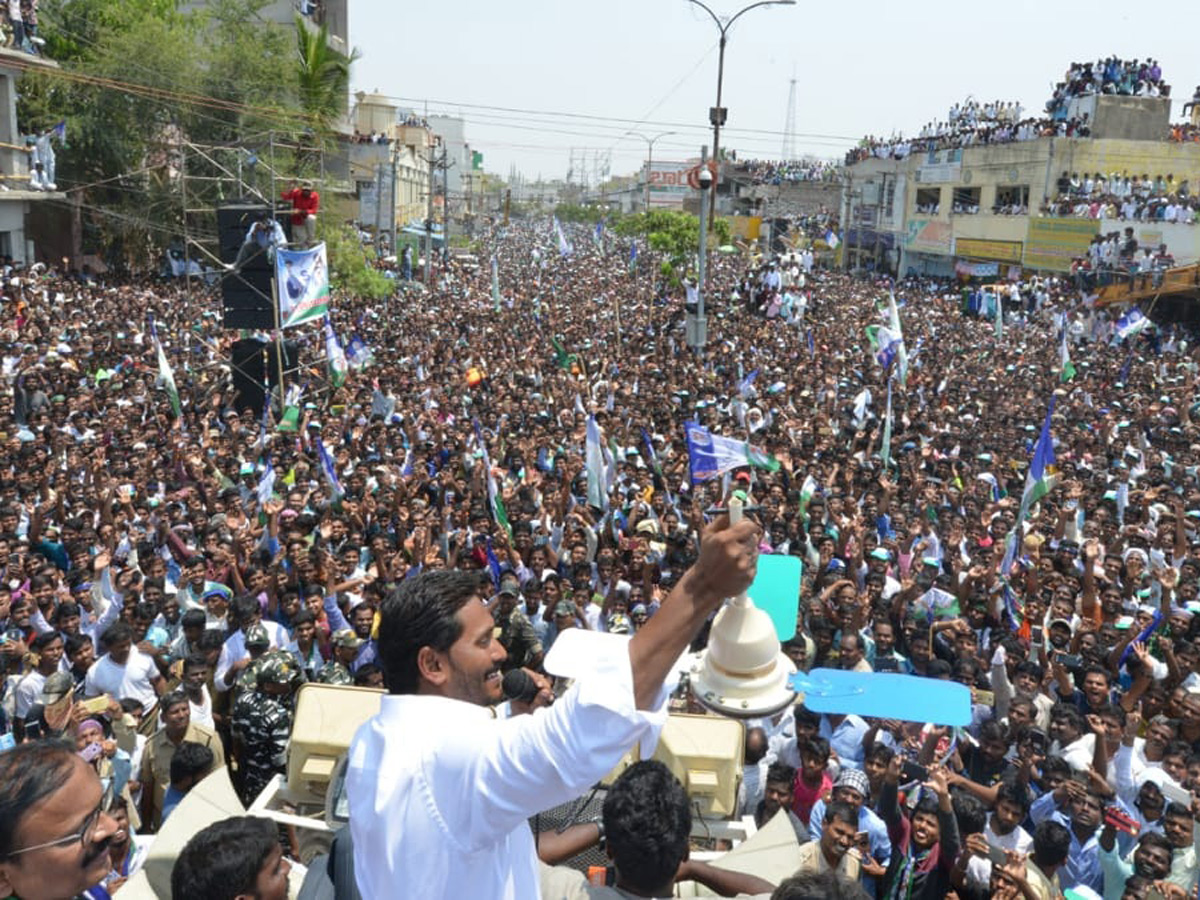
pixel 673 233
pixel 349 266
pixel 323 82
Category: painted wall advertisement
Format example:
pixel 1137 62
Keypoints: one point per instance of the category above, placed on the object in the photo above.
pixel 1003 251
pixel 928 236
pixel 1051 244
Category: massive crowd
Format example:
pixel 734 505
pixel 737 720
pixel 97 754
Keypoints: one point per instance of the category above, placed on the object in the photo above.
pixel 148 569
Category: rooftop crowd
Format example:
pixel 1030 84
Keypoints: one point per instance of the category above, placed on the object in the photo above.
pixel 1129 78
pixel 146 566
pixel 762 171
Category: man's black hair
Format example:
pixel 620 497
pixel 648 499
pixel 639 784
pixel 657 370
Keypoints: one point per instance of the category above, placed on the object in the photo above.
pixel 840 811
pixel 223 860
pixel 28 774
pixel 421 612
pixel 245 607
pixel 647 825
pixel 364 673
pixel 194 618
pixel 780 773
pixel 195 661
pixel 115 633
pixel 805 716
pixel 881 753
pixel 191 760
pixel 44 640
pixel 819 886
pixel 1051 844
pixel 968 812
pixel 1014 793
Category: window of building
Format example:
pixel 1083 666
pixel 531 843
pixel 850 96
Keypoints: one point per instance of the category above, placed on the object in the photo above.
pixel 1011 200
pixel 966 201
pixel 929 200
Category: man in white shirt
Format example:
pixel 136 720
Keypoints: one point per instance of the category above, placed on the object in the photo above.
pixel 440 789
pixel 235 655
pixel 124 671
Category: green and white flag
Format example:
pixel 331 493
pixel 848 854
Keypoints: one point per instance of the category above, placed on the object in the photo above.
pixel 1067 368
pixel 336 355
pixel 166 376
pixel 711 455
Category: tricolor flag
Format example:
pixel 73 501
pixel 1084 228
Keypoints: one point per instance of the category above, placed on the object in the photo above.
pixel 807 489
pixel 1037 484
pixel 329 470
pixel 335 355
pixel 747 383
pixel 597 480
pixel 564 246
pixel 901 351
pixel 1066 368
pixel 831 239
pixel 358 354
pixel 1131 324
pixel 495 499
pixel 166 376
pixel 266 485
pixel 711 455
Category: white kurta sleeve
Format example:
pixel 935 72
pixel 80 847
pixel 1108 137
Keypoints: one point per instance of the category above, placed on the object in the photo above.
pixel 485 782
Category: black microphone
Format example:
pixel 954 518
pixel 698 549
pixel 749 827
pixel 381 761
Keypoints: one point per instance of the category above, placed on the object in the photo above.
pixel 519 686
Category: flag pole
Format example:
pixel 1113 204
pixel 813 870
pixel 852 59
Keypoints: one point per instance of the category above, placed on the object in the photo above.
pixel 278 343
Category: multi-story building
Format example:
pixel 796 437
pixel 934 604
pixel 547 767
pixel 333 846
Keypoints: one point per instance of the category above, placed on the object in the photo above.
pixel 20 186
pixel 994 210
pixel 400 151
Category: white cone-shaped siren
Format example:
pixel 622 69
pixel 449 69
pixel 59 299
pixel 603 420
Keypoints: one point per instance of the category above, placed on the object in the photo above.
pixel 743 673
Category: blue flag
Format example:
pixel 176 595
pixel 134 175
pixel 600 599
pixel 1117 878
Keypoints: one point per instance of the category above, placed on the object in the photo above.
pixel 812 344
pixel 329 470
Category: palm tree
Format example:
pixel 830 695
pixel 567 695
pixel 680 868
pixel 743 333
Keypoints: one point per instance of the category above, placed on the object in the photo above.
pixel 323 81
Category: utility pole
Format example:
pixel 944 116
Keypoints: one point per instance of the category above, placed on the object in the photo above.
pixel 378 209
pixel 392 198
pixel 431 161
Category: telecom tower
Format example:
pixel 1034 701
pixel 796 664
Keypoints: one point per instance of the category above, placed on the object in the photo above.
pixel 789 123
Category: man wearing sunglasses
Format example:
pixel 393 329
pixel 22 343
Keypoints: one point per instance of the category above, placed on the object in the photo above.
pixel 54 826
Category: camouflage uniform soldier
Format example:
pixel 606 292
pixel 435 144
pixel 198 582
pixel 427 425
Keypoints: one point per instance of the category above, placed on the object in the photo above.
pixel 262 723
pixel 257 645
pixel 345 648
pixel 516 631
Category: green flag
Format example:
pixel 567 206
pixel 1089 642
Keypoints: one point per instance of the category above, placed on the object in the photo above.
pixel 165 374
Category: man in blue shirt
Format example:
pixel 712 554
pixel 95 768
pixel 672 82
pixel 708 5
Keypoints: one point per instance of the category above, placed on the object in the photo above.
pixel 853 788
pixel 1080 810
pixel 845 735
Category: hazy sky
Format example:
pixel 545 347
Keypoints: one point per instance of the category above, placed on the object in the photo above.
pixel 527 74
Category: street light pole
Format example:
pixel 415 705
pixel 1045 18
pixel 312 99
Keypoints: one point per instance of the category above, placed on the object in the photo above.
pixel 649 166
pixel 717 115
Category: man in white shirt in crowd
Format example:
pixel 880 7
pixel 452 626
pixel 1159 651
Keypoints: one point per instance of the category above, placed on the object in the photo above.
pixel 235 656
pixel 440 788
pixel 124 671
